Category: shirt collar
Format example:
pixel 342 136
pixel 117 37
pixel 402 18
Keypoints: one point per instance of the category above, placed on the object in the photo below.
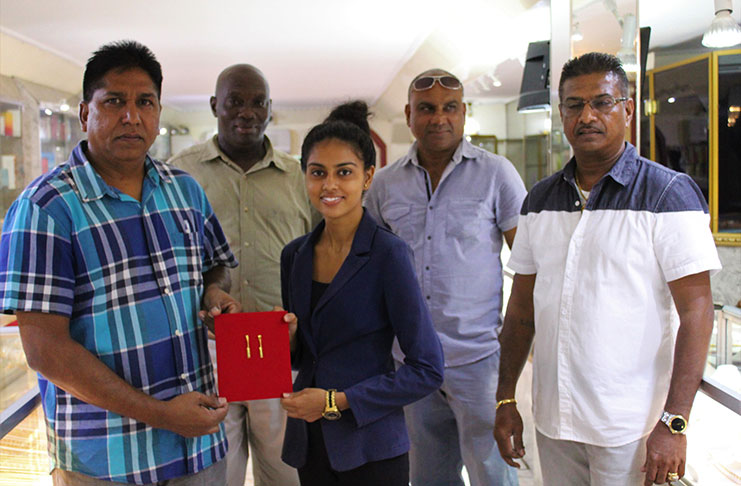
pixel 92 186
pixel 621 172
pixel 214 152
pixel 464 150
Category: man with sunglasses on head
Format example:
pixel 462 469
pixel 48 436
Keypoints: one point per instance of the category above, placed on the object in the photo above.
pixel 613 256
pixel 452 203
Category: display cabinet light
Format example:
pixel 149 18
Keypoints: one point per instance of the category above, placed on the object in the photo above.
pixel 724 31
pixel 576 34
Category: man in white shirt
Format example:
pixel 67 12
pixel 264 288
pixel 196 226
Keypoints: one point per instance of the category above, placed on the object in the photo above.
pixel 612 256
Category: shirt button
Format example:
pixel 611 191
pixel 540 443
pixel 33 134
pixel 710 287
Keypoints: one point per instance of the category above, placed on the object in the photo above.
pixel 246 282
pixel 183 376
pixel 428 297
pixel 246 244
pixel 427 268
pixel 429 237
pixel 178 333
pixel 167 291
pixel 430 208
pixel 576 203
pixel 246 209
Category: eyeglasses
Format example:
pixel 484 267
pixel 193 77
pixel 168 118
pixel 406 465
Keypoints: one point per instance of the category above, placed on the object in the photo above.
pixel 603 104
pixel 446 81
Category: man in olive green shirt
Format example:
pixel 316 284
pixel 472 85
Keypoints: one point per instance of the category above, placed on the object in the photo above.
pixel 259 196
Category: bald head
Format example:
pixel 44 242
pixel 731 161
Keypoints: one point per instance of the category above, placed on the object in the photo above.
pixel 241 104
pixel 244 72
pixel 430 72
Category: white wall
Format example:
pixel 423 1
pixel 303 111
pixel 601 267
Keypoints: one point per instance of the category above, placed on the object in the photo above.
pixel 491 117
pixel 521 124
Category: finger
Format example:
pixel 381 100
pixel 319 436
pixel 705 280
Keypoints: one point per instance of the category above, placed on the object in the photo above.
pixel 220 413
pixel 650 468
pixel 289 318
pixel 214 311
pixel 202 315
pixel 211 401
pixel 231 308
pixel 680 469
pixel 292 413
pixel 505 447
pixel 661 472
pixel 287 404
pixel 519 449
pixel 509 458
pixel 277 308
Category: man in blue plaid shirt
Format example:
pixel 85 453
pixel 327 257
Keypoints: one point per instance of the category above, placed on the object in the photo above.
pixel 107 261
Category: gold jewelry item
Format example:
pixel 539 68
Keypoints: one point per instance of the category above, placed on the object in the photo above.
pixel 676 423
pixel 581 193
pixel 671 477
pixel 331 412
pixel 505 402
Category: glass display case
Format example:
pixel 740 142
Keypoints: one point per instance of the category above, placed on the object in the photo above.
pixel 693 111
pixel 59 133
pixel 23 455
pixel 11 154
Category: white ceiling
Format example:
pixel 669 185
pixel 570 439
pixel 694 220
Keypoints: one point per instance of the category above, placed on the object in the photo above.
pixel 315 53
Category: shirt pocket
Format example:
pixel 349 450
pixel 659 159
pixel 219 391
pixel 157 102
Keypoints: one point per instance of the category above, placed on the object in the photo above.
pixel 465 219
pixel 187 245
pixel 399 219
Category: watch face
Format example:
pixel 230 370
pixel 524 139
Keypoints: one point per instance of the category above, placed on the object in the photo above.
pixel 678 424
pixel 331 415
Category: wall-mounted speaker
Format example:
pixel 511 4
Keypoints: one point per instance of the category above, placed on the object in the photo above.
pixel 535 87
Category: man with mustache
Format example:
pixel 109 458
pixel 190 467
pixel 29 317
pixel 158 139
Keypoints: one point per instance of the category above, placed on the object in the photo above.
pixel 258 193
pixel 613 255
pixel 107 260
pixel 452 203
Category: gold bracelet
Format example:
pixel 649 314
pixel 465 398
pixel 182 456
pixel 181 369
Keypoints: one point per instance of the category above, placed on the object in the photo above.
pixel 505 402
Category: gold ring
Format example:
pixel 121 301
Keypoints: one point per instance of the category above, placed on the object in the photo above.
pixel 671 477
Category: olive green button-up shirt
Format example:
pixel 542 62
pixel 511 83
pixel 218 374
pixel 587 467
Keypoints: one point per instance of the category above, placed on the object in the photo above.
pixel 260 210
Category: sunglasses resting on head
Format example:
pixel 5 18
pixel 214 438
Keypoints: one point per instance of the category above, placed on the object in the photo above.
pixel 445 80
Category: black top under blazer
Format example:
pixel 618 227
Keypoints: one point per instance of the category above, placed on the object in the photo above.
pixel 373 298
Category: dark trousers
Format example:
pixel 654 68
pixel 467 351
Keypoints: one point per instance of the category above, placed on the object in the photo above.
pixel 318 472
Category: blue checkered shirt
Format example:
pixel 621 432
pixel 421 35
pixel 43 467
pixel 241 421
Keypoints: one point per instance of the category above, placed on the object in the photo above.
pixel 128 274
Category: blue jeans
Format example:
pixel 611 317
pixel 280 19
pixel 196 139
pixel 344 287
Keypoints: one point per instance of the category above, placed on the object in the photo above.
pixel 454 426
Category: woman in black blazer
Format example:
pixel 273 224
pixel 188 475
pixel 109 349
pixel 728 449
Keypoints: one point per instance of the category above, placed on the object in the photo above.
pixel 352 286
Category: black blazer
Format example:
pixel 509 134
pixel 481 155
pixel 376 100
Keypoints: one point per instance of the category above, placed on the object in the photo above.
pixel 373 298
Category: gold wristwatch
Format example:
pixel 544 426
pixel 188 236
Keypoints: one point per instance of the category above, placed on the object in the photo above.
pixel 676 423
pixel 331 412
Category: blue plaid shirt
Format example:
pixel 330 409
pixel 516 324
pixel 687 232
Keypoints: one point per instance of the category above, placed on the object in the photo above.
pixel 128 274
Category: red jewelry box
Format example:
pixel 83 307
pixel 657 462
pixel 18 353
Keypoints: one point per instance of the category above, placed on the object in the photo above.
pixel 253 356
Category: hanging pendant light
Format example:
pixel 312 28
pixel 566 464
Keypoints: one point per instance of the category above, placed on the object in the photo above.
pixel 724 31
